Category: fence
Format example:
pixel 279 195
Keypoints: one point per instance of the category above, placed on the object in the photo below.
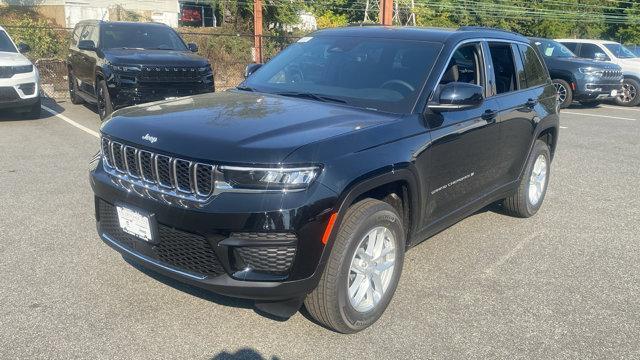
pixel 227 53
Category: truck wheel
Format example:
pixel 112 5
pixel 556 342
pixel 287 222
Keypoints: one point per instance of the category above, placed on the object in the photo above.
pixel 73 89
pixel 564 93
pixel 363 269
pixel 105 108
pixel 528 198
pixel 33 111
pixel 629 95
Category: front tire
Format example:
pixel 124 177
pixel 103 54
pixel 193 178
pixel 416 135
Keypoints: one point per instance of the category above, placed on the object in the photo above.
pixel 363 269
pixel 105 108
pixel 629 95
pixel 73 89
pixel 527 199
pixel 564 93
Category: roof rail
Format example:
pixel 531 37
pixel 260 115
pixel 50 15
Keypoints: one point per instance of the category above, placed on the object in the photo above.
pixel 486 28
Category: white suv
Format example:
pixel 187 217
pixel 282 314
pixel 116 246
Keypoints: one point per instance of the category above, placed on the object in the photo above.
pixel 616 53
pixel 19 79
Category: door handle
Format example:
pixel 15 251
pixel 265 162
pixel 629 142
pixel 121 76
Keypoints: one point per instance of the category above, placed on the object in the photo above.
pixel 490 116
pixel 531 103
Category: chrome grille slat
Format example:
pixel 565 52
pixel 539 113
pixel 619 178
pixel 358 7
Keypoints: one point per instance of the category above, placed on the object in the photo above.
pixel 182 178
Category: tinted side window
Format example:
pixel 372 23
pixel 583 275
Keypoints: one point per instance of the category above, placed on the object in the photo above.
pixel 85 33
pixel 533 69
pixel 571 46
pixel 76 34
pixel 589 51
pixel 503 66
pixel 464 66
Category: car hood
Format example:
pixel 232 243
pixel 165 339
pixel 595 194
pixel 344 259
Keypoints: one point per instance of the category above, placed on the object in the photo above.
pixel 582 62
pixel 13 59
pixel 236 126
pixel 630 65
pixel 153 57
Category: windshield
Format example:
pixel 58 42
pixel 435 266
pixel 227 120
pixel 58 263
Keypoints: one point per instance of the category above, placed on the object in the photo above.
pixel 379 74
pixel 550 48
pixel 620 51
pixel 140 36
pixel 5 43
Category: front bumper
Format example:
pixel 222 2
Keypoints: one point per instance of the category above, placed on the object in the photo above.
pixel 201 245
pixel 20 90
pixel 590 88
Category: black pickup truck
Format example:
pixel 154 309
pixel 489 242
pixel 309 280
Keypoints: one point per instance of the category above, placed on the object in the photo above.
pixel 118 64
pixel 308 182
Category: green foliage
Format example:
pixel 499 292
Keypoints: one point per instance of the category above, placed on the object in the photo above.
pixel 330 19
pixel 44 41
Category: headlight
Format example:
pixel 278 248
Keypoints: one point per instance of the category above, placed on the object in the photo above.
pixel 267 178
pixel 124 68
pixel 23 69
pixel 591 71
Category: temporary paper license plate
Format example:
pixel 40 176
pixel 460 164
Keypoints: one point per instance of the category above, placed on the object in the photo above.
pixel 134 223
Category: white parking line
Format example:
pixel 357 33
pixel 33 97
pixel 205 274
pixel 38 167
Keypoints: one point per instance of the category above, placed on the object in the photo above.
pixel 618 108
pixel 595 115
pixel 71 122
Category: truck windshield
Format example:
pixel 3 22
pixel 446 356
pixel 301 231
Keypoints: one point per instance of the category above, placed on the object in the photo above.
pixel 620 51
pixel 140 36
pixel 5 43
pixel 372 73
pixel 550 48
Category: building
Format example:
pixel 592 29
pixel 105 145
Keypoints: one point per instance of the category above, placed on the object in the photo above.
pixel 66 13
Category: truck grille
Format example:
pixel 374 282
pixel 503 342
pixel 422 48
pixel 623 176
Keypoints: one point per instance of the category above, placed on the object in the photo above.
pixel 612 73
pixel 179 249
pixel 269 259
pixel 174 176
pixel 7 72
pixel 173 73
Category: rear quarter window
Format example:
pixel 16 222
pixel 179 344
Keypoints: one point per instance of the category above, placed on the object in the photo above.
pixel 535 73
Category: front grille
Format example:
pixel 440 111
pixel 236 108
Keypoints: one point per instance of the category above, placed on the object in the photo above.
pixel 610 73
pixel 269 259
pixel 159 172
pixel 173 73
pixel 8 94
pixel 7 72
pixel 179 249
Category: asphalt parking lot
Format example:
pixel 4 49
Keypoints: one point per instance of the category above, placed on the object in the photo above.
pixel 563 284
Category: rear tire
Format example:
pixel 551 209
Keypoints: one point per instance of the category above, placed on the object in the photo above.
pixel 73 90
pixel 629 95
pixel 528 198
pixel 356 288
pixel 105 108
pixel 565 94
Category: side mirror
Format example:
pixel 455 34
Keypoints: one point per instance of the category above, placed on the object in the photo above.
pixel 250 69
pixel 600 57
pixel 23 48
pixel 458 96
pixel 192 47
pixel 87 45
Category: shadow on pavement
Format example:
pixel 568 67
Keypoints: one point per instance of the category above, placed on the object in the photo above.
pixel 242 354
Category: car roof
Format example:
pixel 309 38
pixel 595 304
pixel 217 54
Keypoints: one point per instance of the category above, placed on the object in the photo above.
pixel 582 41
pixel 2 29
pixel 125 23
pixel 422 33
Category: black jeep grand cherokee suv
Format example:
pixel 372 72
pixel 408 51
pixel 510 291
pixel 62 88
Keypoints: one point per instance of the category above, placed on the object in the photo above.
pixel 310 180
pixel 117 64
pixel 587 81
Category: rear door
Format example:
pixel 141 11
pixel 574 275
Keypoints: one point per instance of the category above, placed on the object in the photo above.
pixel 463 141
pixel 87 60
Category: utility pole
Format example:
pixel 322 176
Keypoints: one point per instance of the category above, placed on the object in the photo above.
pixel 386 12
pixel 257 31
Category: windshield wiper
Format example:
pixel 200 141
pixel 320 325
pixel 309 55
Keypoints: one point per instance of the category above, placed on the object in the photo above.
pixel 312 96
pixel 245 88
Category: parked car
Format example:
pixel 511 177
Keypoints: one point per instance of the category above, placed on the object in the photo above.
pixel 612 51
pixel 309 181
pixel 584 80
pixel 118 64
pixel 19 79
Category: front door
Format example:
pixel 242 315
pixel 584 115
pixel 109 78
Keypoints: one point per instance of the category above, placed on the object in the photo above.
pixel 464 142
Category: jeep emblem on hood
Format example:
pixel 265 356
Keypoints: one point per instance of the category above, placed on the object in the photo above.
pixel 150 138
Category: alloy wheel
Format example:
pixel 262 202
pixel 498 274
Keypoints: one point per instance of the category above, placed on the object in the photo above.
pixel 371 269
pixel 538 180
pixel 561 93
pixel 629 93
